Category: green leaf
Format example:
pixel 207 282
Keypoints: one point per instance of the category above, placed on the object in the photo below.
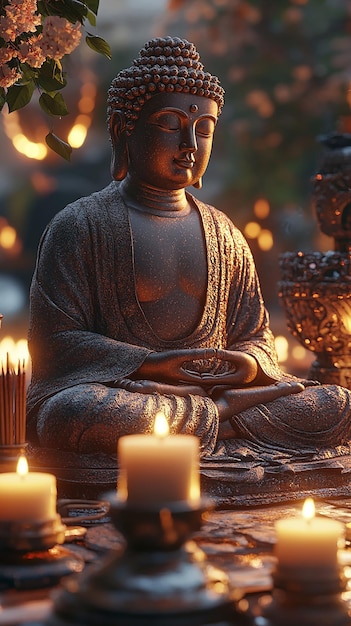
pixel 18 96
pixel 28 73
pixel 91 18
pixel 93 5
pixel 50 76
pixel 2 98
pixel 99 45
pixel 62 148
pixel 57 68
pixel 53 105
pixel 72 10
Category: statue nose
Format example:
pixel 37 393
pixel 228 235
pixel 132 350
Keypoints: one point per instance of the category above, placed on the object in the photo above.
pixel 186 146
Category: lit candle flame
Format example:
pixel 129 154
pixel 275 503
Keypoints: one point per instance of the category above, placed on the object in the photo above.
pixel 161 428
pixel 14 350
pixel 22 466
pixel 308 509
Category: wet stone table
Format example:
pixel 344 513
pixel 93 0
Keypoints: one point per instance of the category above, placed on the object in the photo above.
pixel 240 542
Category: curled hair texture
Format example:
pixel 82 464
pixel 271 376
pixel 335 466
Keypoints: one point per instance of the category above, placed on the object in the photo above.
pixel 164 65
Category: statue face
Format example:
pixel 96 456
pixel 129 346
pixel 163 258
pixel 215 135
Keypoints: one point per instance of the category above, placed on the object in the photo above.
pixel 171 143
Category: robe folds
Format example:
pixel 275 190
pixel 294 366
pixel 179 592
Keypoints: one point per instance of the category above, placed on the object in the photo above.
pixel 87 329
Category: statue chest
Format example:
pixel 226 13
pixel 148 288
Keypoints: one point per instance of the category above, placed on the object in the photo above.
pixel 170 271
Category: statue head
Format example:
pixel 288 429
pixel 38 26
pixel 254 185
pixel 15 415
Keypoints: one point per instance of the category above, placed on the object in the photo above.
pixel 167 66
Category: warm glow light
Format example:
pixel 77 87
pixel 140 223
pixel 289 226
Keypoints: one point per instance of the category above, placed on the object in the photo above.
pixel 256 97
pixel 266 109
pixel 7 346
pixel 302 72
pixel 20 142
pixel 31 150
pixel 161 428
pixel 298 353
pixel 88 89
pixel 87 101
pixel 265 240
pixel 346 320
pixel 282 348
pixel 22 350
pixel 261 208
pixel 22 466
pixel 7 237
pixel 77 135
pixel 252 230
pixel 194 494
pixel 15 350
pixel 308 509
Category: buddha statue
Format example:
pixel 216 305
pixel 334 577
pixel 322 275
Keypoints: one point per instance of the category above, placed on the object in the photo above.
pixel 145 298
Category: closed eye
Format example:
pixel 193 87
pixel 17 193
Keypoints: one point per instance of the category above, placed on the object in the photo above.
pixel 205 127
pixel 166 120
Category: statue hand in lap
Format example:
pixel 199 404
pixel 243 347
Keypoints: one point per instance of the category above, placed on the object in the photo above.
pixel 243 369
pixel 166 373
pixel 171 366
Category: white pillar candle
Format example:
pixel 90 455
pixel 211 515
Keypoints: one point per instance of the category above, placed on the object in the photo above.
pixel 160 468
pixel 27 496
pixel 308 542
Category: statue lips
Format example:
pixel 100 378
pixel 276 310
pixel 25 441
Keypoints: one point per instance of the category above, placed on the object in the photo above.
pixel 184 163
pixel 187 162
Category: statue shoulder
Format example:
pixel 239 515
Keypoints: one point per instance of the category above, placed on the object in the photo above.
pixel 88 208
pixel 85 218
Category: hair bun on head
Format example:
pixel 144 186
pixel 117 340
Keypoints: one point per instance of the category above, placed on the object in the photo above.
pixel 164 64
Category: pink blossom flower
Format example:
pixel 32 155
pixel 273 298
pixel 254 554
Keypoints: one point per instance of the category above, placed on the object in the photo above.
pixel 31 52
pixel 20 17
pixel 60 37
pixel 6 54
pixel 8 75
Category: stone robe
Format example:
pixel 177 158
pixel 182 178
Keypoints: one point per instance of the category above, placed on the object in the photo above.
pixel 87 329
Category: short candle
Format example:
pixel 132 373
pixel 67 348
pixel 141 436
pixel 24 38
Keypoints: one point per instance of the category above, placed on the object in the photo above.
pixel 27 496
pixel 158 468
pixel 308 542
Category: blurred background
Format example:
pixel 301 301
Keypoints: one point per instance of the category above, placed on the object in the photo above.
pixel 286 68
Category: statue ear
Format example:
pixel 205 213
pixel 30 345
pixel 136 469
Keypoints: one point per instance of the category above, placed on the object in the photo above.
pixel 198 184
pixel 119 159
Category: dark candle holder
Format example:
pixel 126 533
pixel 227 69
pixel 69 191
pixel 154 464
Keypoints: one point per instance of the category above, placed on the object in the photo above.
pixel 31 554
pixel 18 536
pixel 305 598
pixel 160 577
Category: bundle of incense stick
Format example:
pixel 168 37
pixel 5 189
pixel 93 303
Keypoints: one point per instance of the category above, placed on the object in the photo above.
pixel 12 403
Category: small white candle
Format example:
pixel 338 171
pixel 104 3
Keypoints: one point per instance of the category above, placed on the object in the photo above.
pixel 308 542
pixel 160 468
pixel 27 496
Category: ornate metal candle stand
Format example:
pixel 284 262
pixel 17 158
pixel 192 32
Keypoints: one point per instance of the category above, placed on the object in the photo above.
pixel 302 598
pixel 31 555
pixel 160 578
pixel 315 287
